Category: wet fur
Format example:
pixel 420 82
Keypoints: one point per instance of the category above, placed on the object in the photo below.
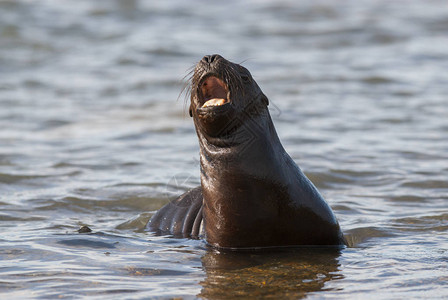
pixel 252 193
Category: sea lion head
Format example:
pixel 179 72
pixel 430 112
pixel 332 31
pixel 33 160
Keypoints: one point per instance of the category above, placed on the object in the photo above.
pixel 223 96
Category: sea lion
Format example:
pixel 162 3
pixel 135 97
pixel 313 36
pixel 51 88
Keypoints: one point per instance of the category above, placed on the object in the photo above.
pixel 252 194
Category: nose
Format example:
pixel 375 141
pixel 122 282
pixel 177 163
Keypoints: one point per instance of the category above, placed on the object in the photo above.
pixel 210 58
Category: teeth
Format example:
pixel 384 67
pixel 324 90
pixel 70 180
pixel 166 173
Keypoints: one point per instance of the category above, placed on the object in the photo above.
pixel 215 102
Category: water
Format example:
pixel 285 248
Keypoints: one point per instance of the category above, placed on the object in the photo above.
pixel 93 132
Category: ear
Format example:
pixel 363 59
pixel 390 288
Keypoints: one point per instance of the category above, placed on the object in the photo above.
pixel 264 99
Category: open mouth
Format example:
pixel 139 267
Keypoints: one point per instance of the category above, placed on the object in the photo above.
pixel 214 92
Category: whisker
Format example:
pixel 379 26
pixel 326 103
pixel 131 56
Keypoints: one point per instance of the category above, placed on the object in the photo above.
pixel 244 61
pixel 186 87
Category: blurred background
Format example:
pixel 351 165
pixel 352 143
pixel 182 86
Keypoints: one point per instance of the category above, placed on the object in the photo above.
pixel 94 130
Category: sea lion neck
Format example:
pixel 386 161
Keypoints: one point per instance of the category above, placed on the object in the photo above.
pixel 254 141
pixel 246 133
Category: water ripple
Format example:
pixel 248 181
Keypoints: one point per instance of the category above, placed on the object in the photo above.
pixel 94 131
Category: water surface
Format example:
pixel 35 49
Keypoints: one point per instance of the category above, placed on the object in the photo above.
pixel 93 132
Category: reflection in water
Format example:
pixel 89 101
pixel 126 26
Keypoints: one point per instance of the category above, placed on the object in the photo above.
pixel 291 273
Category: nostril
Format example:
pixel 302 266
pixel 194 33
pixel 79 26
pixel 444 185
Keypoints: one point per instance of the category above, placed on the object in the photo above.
pixel 206 58
pixel 210 58
pixel 214 57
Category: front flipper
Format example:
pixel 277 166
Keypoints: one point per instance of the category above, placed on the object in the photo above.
pixel 181 217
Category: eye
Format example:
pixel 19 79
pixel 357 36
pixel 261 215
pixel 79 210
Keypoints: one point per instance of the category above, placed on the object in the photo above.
pixel 245 78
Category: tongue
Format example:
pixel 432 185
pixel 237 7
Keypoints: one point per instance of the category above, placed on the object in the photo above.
pixel 215 102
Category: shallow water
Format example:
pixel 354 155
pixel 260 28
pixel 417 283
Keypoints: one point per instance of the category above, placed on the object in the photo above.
pixel 93 132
